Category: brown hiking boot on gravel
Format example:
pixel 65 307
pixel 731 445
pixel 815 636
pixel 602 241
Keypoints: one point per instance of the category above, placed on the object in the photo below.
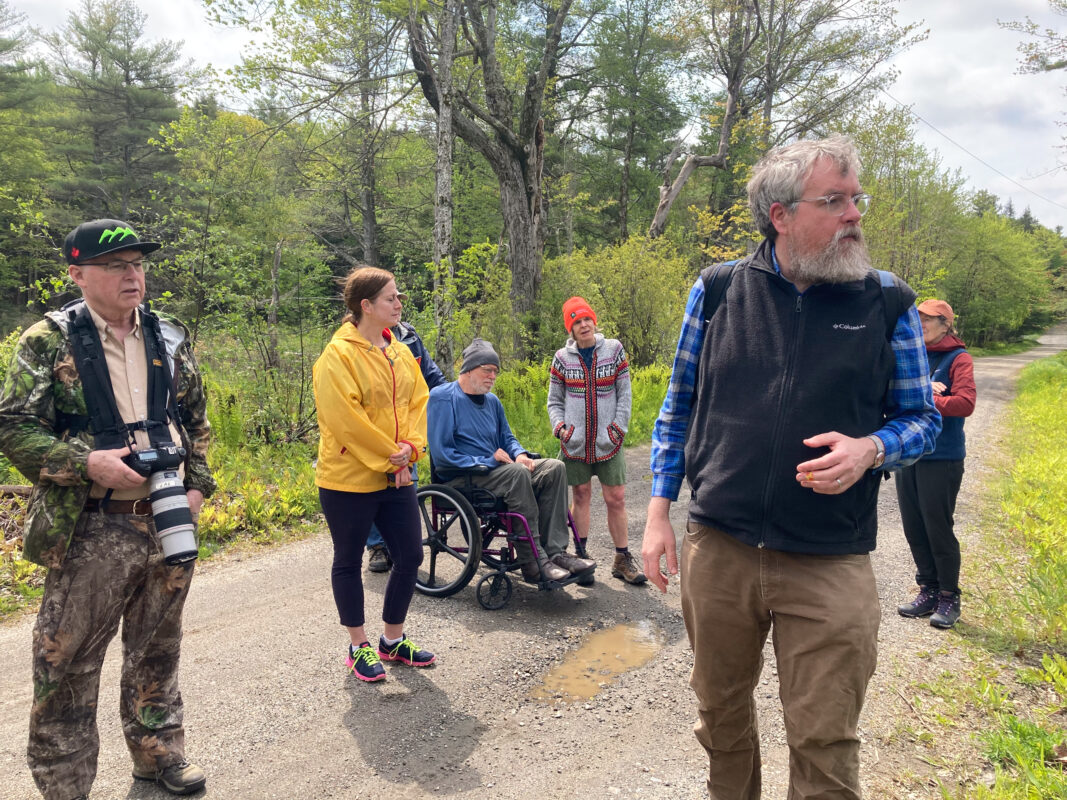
pixel 625 567
pixel 180 778
pixel 379 559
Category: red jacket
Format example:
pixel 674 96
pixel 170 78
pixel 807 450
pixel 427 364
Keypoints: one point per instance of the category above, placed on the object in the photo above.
pixel 961 402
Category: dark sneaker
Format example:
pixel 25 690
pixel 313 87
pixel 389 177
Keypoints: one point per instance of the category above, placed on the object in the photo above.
pixel 406 652
pixel 625 567
pixel 573 564
pixel 180 778
pixel 379 559
pixel 365 664
pixel 948 611
pixel 924 604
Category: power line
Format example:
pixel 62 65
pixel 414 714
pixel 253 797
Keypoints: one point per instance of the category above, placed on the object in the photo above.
pixel 980 160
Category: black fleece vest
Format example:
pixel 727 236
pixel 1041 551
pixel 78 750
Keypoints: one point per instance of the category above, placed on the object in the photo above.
pixel 776 368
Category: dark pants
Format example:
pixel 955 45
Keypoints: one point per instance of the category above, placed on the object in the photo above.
pixel 926 492
pixel 113 572
pixel 349 516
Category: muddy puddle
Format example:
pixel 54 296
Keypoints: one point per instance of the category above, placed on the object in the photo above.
pixel 601 659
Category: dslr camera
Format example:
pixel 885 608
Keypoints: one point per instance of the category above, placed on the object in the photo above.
pixel 170 504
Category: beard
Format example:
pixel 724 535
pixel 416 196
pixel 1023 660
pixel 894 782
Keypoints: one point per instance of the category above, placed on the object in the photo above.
pixel 843 260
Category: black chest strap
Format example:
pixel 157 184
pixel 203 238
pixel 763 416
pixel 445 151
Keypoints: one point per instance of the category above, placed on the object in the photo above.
pixel 105 422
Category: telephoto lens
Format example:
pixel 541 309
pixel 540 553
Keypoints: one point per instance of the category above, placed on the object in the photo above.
pixel 174 520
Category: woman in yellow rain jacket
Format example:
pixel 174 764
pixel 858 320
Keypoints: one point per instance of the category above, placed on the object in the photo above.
pixel 371 401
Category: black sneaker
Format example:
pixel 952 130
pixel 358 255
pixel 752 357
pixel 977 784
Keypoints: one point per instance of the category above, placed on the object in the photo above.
pixel 365 664
pixel 948 611
pixel 406 652
pixel 379 559
pixel 924 604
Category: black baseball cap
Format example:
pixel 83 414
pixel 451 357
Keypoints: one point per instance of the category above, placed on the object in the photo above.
pixel 101 236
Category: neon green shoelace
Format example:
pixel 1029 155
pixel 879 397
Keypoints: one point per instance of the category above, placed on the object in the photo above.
pixel 367 655
pixel 413 648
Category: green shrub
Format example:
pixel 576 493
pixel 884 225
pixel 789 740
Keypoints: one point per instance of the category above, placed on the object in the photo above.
pixel 8 473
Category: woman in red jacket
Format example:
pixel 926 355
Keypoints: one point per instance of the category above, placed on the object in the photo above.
pixel 927 489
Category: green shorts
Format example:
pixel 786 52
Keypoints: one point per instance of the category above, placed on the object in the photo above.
pixel 611 472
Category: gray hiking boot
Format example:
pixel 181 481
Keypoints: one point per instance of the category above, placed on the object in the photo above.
pixel 948 611
pixel 180 778
pixel 924 604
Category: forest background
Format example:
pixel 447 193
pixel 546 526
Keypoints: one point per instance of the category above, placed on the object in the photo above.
pixel 497 157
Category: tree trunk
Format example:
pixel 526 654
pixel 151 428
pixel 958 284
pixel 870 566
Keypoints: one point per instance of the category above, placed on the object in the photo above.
pixel 514 151
pixel 743 31
pixel 273 362
pixel 444 271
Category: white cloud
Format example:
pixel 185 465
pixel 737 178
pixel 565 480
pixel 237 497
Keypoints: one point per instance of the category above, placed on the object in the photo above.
pixel 964 82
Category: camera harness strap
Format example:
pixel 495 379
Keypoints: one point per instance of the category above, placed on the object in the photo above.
pixel 105 422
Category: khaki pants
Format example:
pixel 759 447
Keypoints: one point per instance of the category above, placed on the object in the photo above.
pixel 824 614
pixel 540 496
pixel 113 572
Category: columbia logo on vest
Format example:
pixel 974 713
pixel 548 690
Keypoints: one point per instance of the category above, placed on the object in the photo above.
pixel 843 326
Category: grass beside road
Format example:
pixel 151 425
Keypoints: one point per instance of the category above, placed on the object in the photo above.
pixel 995 727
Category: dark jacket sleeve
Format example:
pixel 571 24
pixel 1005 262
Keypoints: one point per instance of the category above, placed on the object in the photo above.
pixel 431 373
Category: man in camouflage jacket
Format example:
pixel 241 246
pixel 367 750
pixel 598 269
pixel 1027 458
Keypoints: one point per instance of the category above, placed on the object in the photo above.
pixel 105 565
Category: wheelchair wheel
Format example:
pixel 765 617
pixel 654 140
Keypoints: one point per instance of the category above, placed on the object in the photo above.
pixel 452 544
pixel 494 591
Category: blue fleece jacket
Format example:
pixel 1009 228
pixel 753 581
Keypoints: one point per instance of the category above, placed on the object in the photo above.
pixel 463 433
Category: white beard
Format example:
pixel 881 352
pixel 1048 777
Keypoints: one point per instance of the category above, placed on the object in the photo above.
pixel 839 262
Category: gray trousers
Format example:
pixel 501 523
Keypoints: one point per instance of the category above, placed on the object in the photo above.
pixel 540 496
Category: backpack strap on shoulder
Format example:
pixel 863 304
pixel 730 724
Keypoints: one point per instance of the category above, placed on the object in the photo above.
pixel 716 280
pixel 897 298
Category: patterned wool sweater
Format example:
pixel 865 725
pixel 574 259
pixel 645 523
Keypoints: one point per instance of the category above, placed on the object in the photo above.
pixel 590 399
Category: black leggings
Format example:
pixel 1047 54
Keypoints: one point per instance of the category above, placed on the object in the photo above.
pixel 927 492
pixel 349 516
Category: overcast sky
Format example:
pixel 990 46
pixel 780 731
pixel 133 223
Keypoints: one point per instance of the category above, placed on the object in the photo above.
pixel 962 81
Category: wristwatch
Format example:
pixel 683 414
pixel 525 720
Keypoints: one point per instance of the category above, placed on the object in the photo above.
pixel 879 450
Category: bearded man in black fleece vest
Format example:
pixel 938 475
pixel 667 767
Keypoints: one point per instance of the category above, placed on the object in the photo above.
pixel 783 409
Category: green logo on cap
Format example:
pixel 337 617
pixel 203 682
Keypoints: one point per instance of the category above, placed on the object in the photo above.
pixel 110 234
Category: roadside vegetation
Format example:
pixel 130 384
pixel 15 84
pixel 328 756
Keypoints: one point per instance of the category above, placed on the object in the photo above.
pixel 994 724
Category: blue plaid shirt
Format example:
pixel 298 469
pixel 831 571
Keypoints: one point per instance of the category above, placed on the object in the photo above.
pixel 912 422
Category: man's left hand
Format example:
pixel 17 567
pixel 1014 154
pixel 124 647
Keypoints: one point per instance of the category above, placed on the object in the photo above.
pixel 196 501
pixel 836 471
pixel 526 461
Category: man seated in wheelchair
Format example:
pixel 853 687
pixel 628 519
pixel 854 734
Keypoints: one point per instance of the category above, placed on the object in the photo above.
pixel 468 429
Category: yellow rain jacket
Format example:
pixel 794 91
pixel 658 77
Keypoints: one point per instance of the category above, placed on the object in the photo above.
pixel 368 402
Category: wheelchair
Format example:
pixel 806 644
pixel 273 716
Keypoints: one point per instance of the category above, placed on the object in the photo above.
pixel 468 525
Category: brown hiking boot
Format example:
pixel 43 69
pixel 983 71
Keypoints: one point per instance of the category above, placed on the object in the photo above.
pixel 379 559
pixel 625 567
pixel 180 778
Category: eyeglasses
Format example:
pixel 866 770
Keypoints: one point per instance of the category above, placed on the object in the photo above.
pixel 488 369
pixel 119 265
pixel 837 204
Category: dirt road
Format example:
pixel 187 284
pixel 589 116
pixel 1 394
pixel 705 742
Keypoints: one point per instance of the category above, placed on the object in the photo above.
pixel 271 712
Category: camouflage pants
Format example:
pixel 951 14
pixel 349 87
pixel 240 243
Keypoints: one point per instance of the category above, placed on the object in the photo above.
pixel 113 571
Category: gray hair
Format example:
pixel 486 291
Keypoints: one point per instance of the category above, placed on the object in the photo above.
pixel 780 175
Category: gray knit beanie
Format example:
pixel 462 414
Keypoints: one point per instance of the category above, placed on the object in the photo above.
pixel 478 353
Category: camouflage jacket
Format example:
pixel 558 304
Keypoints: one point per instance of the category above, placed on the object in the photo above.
pixel 42 386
